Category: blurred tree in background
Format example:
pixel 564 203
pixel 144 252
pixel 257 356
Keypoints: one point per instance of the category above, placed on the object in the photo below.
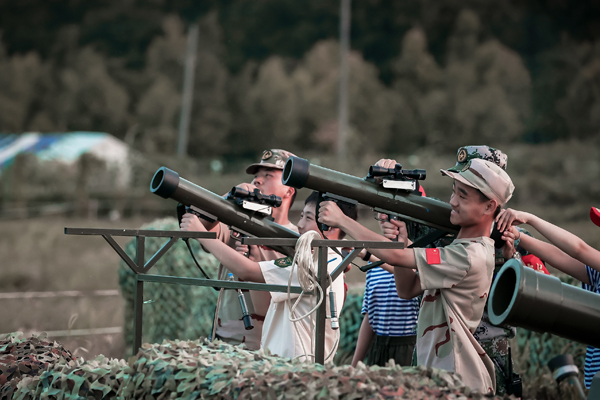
pixel 422 72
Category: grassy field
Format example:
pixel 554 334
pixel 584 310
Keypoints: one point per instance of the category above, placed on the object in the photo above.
pixel 38 256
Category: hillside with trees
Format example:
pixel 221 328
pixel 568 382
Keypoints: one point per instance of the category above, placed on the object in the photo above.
pixel 422 73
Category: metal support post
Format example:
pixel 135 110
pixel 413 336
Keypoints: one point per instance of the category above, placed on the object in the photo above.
pixel 141 269
pixel 322 310
pixel 138 302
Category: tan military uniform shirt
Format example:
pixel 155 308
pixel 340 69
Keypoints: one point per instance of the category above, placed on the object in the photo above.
pixel 456 280
pixel 230 326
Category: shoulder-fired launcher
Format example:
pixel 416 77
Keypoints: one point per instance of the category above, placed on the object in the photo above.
pixel 523 297
pixel 167 184
pixel 299 173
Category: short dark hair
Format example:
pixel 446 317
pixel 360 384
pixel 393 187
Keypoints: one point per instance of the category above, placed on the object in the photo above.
pixel 348 210
pixel 484 198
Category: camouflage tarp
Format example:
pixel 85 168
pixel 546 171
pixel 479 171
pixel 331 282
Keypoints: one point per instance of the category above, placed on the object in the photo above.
pixel 200 369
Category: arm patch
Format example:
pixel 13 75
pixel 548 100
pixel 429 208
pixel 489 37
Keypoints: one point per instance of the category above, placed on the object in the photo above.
pixel 433 256
pixel 284 262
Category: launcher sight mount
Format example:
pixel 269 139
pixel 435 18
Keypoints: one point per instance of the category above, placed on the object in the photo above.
pixel 398 178
pixel 254 201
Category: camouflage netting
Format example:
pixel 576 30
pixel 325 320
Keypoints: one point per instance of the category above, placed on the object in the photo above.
pixel 22 359
pixel 350 320
pixel 186 312
pixel 170 311
pixel 200 369
pixel 531 353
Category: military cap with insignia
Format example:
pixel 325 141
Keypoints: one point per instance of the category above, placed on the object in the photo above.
pixel 467 153
pixel 272 158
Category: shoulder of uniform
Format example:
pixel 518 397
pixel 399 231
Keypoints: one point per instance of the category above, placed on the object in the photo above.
pixel 283 262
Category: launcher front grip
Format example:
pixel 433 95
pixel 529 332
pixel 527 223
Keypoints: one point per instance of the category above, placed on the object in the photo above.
pixel 299 173
pixel 167 184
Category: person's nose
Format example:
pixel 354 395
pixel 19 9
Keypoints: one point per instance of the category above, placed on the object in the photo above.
pixel 453 201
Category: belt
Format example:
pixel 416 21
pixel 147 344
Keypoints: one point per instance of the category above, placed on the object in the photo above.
pixel 394 340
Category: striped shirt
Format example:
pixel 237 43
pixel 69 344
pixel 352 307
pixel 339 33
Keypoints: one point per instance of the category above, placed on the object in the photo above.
pixel 592 356
pixel 389 315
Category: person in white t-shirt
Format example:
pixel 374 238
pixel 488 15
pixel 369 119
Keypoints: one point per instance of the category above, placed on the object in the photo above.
pixel 279 334
pixel 228 317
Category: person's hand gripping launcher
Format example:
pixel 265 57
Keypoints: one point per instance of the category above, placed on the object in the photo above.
pixel 399 179
pixel 253 201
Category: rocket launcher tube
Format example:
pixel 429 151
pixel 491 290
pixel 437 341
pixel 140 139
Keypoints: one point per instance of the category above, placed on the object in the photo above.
pixel 523 297
pixel 167 184
pixel 299 173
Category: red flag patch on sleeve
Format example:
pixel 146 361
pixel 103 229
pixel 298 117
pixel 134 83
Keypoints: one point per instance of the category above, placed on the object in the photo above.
pixel 433 256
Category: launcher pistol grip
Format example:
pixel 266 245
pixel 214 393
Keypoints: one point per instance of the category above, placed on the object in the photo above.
pixel 339 200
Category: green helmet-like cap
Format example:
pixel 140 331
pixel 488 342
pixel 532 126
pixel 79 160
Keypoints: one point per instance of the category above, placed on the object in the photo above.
pixel 467 153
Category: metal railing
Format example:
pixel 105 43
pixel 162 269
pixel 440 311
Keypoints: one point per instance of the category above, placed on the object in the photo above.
pixel 140 267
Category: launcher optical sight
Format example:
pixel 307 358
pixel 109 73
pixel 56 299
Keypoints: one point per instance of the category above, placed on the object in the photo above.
pixel 398 178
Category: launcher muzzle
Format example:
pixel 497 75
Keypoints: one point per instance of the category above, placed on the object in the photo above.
pixel 167 184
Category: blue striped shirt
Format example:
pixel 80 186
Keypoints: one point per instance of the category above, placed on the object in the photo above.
pixel 389 315
pixel 592 356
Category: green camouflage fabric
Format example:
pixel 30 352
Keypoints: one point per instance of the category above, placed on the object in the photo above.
pixel 273 158
pixel 467 153
pixel 24 358
pixel 496 347
pixel 201 370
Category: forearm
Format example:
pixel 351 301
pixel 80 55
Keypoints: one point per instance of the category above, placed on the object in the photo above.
pixel 561 238
pixel 408 283
pixel 396 257
pixel 241 266
pixel 555 257
pixel 365 336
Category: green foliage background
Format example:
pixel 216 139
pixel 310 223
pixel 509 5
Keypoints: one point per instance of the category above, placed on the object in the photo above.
pixel 422 72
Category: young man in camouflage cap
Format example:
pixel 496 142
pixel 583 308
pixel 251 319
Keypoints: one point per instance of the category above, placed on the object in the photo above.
pixel 494 339
pixel 267 178
pixel 455 279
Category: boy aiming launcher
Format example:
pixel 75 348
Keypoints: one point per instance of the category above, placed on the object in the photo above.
pixel 229 321
pixel 280 334
pixel 454 280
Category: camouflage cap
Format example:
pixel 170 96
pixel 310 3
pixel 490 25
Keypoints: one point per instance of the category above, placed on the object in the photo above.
pixel 467 153
pixel 595 215
pixel 272 158
pixel 485 176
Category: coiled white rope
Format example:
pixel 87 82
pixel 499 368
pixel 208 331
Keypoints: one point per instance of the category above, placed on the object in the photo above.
pixel 307 262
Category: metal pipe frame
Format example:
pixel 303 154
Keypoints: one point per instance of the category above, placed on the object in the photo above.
pixel 140 267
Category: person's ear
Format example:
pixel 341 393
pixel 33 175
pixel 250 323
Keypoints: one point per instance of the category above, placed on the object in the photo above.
pixel 490 207
pixel 289 193
pixel 332 233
